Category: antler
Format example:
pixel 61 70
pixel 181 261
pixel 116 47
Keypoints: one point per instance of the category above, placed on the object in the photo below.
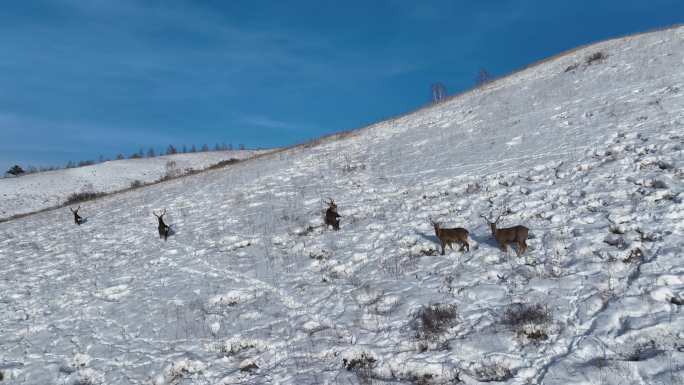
pixel 332 202
pixel 160 215
pixel 496 221
pixel 75 211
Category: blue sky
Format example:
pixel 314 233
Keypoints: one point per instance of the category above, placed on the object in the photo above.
pixel 80 78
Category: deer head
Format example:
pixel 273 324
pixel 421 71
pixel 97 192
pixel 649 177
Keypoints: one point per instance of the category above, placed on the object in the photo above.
pixel 434 224
pixel 492 224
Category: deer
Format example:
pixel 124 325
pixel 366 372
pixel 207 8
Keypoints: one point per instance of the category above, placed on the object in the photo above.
pixel 331 215
pixel 504 237
pixel 162 227
pixel 449 236
pixel 77 218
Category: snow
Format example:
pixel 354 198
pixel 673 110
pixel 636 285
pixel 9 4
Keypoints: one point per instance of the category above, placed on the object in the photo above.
pixel 252 288
pixel 33 192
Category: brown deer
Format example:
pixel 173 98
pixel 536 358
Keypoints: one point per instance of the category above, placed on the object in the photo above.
pixel 77 218
pixel 331 215
pixel 162 227
pixel 449 236
pixel 504 237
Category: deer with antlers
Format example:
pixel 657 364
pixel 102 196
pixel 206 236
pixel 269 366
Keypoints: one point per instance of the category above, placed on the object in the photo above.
pixel 162 227
pixel 331 215
pixel 449 236
pixel 504 237
pixel 77 218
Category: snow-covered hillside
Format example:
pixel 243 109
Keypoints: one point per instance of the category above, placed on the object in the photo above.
pixel 251 289
pixel 39 191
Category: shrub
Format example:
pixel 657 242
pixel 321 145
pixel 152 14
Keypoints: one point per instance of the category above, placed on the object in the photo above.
pixel 434 319
pixel 522 313
pixel 635 256
pixel 15 170
pixel 362 365
pixel 137 183
pixel 596 57
pixel 83 196
pixel 223 163
pixel 496 372
pixel 528 320
pixel 363 361
pixel 473 188
pixel 572 67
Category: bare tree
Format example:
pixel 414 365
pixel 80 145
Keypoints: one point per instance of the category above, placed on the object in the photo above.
pixel 171 150
pixel 205 148
pixel 15 170
pixel 483 77
pixel 439 92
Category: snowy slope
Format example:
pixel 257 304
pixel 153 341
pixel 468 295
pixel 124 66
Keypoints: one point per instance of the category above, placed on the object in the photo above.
pixel 38 191
pixel 253 290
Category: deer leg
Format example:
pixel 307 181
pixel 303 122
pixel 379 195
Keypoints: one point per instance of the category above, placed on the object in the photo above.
pixel 442 247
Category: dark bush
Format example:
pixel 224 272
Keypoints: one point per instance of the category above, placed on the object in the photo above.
pixel 635 256
pixel 496 372
pixel 223 163
pixel 572 67
pixel 83 196
pixel 596 57
pixel 434 319
pixel 137 183
pixel 520 314
pixel 364 361
pixel 530 321
pixel 15 170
